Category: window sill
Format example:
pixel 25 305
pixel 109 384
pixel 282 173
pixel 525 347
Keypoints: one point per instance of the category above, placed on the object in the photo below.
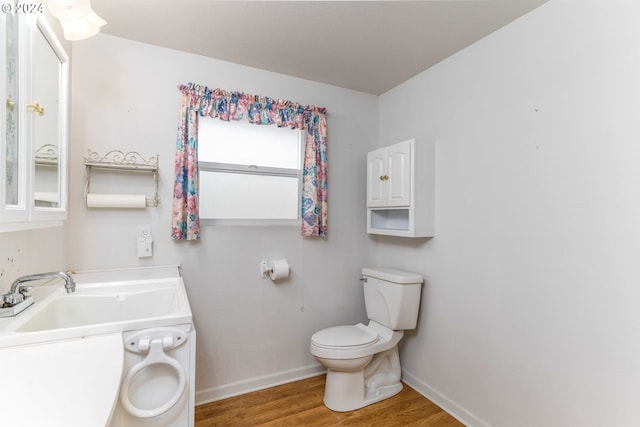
pixel 248 222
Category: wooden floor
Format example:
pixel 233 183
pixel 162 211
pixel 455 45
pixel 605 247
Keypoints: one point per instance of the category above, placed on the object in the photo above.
pixel 299 404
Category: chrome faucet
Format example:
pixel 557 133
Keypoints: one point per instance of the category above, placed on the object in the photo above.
pixel 17 292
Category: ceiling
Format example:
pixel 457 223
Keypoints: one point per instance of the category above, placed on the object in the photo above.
pixel 368 46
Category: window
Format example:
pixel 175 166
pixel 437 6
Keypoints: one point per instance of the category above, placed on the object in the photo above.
pixel 248 171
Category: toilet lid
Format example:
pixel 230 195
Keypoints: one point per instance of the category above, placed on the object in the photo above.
pixel 345 336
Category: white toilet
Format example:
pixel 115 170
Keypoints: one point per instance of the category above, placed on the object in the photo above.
pixel 362 362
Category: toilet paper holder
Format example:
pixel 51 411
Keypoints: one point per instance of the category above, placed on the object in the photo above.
pixel 277 269
pixel 265 269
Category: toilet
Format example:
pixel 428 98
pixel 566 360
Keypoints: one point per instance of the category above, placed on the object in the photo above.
pixel 363 366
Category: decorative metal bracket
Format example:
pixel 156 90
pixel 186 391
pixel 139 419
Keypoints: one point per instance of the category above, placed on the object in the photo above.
pixel 121 161
pixel 47 155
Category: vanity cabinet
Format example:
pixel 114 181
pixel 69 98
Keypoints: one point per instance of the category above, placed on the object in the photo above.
pixel 400 189
pixel 33 123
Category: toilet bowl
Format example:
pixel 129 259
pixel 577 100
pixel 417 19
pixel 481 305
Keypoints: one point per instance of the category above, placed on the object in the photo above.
pixel 362 361
pixel 362 364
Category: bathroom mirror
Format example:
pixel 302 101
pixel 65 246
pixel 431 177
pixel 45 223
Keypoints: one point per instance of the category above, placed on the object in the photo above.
pixel 44 109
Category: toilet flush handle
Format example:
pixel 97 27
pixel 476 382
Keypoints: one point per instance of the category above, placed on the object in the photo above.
pixel 363 279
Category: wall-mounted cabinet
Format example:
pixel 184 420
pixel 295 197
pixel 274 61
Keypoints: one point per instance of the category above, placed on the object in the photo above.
pixel 389 175
pixel 33 124
pixel 400 189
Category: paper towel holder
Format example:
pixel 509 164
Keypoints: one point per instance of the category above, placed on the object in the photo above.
pixel 119 161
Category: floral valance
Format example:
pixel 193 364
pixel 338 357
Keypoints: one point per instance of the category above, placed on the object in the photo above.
pixel 200 100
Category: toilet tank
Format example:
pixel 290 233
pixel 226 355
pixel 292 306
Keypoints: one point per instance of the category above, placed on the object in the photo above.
pixel 392 297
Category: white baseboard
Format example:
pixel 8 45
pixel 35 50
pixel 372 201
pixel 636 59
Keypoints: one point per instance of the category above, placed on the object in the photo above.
pixel 452 408
pixel 257 383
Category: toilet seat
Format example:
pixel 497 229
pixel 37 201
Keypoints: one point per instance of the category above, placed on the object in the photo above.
pixel 345 337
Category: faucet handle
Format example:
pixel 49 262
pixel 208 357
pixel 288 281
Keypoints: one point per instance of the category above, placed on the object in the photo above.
pixel 24 289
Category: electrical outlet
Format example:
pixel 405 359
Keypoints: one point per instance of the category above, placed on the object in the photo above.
pixel 144 232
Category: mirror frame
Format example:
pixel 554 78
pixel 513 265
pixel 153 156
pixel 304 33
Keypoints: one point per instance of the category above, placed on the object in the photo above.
pixel 59 212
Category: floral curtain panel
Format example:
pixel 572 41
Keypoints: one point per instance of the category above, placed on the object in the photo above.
pixel 198 101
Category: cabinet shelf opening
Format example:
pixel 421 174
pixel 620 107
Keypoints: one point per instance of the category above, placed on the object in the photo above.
pixel 390 219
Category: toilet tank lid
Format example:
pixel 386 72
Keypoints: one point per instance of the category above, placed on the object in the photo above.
pixel 392 275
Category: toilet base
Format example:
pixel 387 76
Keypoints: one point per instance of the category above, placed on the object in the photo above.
pixel 373 396
pixel 344 391
pixel 378 380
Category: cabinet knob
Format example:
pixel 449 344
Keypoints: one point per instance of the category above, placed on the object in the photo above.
pixel 385 177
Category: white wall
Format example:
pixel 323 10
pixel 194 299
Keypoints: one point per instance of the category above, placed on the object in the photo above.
pixel 251 332
pixel 530 311
pixel 30 252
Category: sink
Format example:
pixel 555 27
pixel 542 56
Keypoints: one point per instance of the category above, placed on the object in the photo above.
pixel 104 302
pixel 76 309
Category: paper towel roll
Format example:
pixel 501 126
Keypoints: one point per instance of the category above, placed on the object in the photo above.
pixel 116 201
pixel 279 269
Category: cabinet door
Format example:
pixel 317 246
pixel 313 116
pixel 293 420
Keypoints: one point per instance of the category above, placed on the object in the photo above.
pixel 399 173
pixel 377 186
pixel 13 168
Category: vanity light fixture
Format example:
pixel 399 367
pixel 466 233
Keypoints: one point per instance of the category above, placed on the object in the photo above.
pixel 78 20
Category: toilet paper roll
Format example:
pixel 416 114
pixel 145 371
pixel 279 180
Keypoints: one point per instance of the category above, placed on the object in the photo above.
pixel 279 269
pixel 116 201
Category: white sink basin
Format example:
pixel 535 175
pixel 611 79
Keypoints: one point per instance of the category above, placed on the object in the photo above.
pixel 104 302
pixel 76 309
